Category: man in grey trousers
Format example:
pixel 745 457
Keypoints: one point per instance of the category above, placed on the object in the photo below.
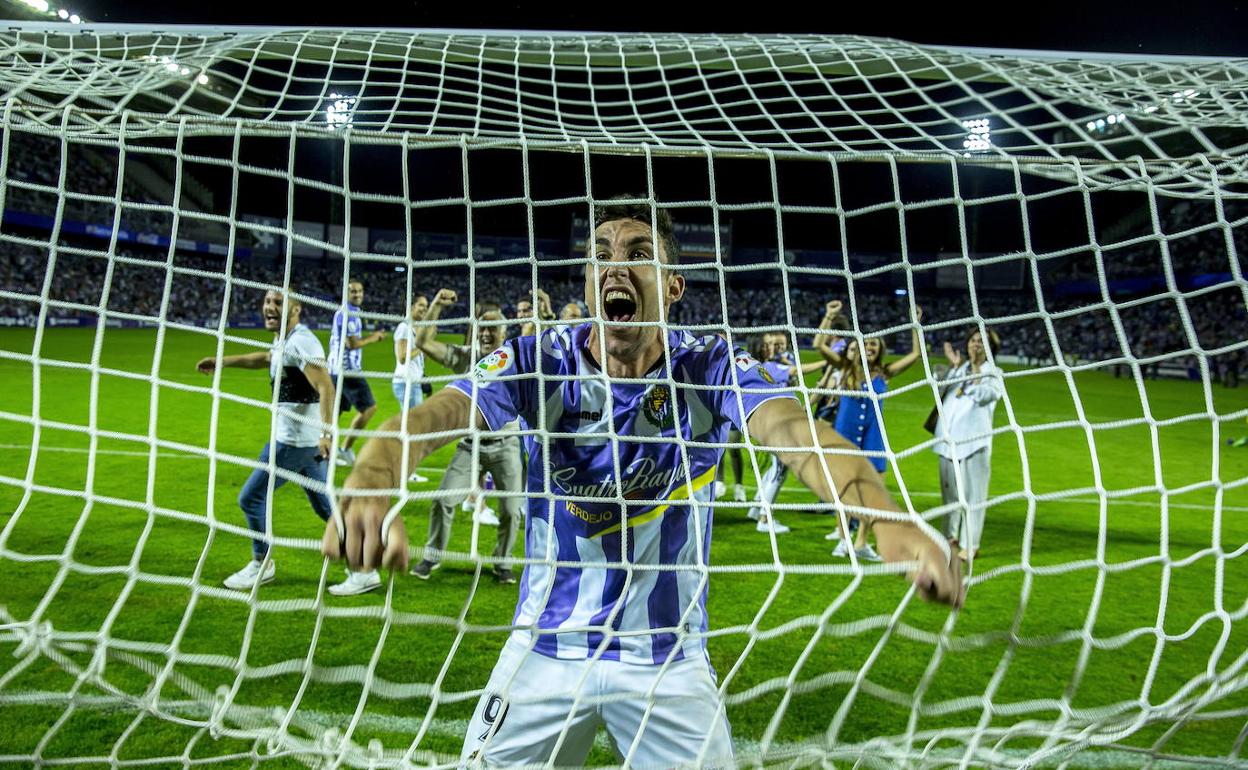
pixel 499 455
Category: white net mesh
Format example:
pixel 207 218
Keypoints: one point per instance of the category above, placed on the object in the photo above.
pixel 155 183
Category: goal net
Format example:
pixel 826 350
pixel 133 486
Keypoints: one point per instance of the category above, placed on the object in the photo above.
pixel 1088 209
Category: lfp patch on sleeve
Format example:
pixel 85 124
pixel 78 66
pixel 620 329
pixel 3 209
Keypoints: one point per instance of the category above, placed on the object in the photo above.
pixel 744 361
pixel 494 364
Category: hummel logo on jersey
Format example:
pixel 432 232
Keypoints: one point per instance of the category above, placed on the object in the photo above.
pixel 590 416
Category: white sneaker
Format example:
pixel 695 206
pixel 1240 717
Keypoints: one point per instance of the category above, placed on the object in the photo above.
pixel 738 493
pixel 485 515
pixel 833 535
pixel 345 457
pixel 466 505
pixel 841 551
pixel 356 583
pixel 720 489
pixel 867 553
pixel 754 513
pixel 416 478
pixel 766 526
pixel 254 573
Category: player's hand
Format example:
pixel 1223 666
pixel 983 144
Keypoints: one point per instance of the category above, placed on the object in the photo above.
pixel 918 314
pixel 543 305
pixel 362 517
pixel 445 298
pixel 325 447
pixel 380 334
pixel 954 356
pixel 937 576
pixel 833 308
pixel 206 365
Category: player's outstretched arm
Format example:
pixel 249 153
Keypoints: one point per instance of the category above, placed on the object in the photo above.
pixel 355 343
pixel 379 469
pixel 256 360
pixel 782 422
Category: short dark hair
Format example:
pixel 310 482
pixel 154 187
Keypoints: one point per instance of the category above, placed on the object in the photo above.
pixel 354 279
pixel 607 211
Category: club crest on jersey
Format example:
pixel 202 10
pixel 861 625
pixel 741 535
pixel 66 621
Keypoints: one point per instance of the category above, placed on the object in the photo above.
pixel 656 405
pixel 494 364
pixel 766 375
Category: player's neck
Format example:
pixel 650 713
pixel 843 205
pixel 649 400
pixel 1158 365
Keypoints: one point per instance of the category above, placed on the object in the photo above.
pixel 631 361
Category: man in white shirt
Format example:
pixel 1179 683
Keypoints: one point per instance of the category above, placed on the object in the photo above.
pixel 408 383
pixel 305 412
pixel 970 392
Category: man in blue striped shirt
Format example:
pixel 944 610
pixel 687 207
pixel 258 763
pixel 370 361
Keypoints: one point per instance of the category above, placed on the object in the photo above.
pixel 615 635
pixel 346 355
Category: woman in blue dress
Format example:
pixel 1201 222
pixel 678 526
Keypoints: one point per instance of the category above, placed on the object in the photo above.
pixel 858 418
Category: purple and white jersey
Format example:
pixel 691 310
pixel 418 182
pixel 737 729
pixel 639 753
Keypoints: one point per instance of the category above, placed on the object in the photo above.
pixel 641 615
pixel 347 323
pixel 778 371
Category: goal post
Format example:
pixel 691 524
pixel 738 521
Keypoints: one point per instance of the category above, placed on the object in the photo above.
pixel 1091 210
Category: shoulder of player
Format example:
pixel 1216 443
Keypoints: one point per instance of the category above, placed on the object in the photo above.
pixel 304 344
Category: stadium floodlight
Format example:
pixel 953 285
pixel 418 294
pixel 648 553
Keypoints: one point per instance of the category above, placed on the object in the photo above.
pixel 978 135
pixel 340 110
pixel 75 18
pixel 202 79
pixel 38 5
pixel 62 14
pixel 1103 124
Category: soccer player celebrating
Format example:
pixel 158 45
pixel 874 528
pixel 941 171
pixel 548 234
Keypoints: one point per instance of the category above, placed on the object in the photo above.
pixel 499 455
pixel 629 415
pixel 305 414
pixel 346 340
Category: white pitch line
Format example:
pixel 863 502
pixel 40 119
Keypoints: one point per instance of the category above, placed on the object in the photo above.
pixel 440 471
pixel 259 719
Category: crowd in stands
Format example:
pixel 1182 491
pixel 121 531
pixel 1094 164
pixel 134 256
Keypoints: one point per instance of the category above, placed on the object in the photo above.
pixel 1084 327
pixel 1085 330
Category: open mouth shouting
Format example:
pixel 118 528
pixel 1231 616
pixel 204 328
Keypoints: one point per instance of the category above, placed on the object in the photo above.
pixel 618 304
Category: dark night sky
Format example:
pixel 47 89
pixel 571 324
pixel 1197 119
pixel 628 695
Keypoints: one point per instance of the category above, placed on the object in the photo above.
pixel 1199 28
pixel 1147 26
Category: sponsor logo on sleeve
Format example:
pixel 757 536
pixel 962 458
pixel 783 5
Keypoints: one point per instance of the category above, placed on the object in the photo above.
pixel 494 364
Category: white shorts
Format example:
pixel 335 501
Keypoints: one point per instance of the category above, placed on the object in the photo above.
pixel 538 709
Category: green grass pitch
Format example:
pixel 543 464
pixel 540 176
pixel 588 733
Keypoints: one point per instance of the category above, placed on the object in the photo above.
pixel 118 641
